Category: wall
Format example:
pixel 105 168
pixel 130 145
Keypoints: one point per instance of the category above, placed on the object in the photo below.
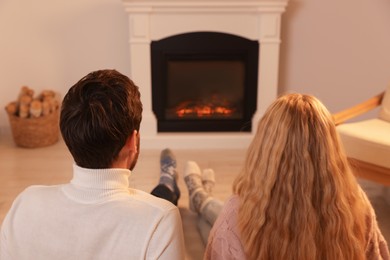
pixel 336 50
pixel 53 43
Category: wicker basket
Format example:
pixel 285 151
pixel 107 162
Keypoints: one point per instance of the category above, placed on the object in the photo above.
pixel 35 132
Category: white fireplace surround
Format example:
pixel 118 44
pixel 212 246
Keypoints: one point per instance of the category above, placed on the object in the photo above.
pixel 154 20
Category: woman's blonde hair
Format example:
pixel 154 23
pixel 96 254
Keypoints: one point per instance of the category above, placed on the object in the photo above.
pixel 299 199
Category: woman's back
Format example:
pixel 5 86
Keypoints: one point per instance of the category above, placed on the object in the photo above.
pixel 298 196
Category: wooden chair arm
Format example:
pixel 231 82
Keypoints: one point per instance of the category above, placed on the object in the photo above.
pixel 359 109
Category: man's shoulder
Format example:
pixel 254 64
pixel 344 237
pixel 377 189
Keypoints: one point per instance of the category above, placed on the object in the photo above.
pixel 37 190
pixel 36 193
pixel 149 200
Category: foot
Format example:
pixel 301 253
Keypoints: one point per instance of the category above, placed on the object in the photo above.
pixel 208 180
pixel 192 177
pixel 168 171
pixel 168 163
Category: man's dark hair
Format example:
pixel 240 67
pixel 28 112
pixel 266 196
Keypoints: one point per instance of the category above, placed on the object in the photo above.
pixel 98 114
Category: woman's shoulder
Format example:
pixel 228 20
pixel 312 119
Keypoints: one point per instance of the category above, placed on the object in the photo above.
pixel 224 241
pixel 230 209
pixel 227 220
pixel 232 202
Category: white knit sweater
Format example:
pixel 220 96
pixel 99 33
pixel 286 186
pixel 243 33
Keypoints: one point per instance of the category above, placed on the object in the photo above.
pixel 95 216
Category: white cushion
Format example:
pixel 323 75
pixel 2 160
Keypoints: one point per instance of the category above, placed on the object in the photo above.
pixel 367 140
pixel 384 113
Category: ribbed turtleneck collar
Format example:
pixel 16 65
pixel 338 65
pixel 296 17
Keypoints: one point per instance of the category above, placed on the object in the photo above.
pixel 94 185
pixel 107 179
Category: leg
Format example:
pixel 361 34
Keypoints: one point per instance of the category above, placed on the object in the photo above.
pixel 200 200
pixel 199 189
pixel 162 191
pixel 204 229
pixel 167 187
pixel 211 210
pixel 207 218
pixel 197 194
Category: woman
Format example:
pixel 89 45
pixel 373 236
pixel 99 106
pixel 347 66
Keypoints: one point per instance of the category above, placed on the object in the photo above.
pixel 296 197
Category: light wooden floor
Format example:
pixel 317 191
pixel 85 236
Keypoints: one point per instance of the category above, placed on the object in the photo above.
pixel 20 168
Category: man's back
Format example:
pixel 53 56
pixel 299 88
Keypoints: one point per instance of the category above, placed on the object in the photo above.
pixel 94 217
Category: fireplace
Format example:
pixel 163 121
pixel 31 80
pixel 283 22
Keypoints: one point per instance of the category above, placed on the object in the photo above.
pixel 152 21
pixel 204 82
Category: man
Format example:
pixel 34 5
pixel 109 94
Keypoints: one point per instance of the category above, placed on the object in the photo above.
pixel 96 215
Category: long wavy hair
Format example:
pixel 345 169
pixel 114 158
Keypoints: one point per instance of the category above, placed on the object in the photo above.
pixel 299 198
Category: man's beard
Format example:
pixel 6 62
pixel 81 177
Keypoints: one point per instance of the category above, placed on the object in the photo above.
pixel 135 159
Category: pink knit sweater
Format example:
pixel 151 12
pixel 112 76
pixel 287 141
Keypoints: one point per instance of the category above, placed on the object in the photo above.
pixel 224 239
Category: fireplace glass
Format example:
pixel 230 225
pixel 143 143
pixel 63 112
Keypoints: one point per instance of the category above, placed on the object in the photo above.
pixel 204 82
pixel 205 90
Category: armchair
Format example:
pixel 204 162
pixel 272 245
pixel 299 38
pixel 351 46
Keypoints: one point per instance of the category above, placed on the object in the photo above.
pixel 367 142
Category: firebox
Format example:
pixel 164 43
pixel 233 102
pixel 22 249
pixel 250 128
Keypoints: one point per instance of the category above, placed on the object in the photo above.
pixel 204 82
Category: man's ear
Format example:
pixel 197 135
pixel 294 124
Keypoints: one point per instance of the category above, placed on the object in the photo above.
pixel 131 142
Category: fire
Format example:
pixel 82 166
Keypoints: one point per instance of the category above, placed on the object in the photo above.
pixel 202 110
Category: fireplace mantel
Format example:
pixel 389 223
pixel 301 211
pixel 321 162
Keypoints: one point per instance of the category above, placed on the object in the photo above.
pixel 154 20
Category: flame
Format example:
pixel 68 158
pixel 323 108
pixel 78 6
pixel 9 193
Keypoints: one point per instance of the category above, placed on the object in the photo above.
pixel 200 110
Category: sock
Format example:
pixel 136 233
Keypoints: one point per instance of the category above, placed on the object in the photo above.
pixel 208 180
pixel 198 196
pixel 168 174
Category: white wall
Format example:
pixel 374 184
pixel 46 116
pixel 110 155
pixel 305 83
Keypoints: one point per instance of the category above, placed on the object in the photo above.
pixel 336 50
pixel 53 43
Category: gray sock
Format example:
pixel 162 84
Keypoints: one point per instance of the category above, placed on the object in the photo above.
pixel 197 195
pixel 168 172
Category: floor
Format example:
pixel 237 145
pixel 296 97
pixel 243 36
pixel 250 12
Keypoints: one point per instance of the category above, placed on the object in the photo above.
pixel 21 167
